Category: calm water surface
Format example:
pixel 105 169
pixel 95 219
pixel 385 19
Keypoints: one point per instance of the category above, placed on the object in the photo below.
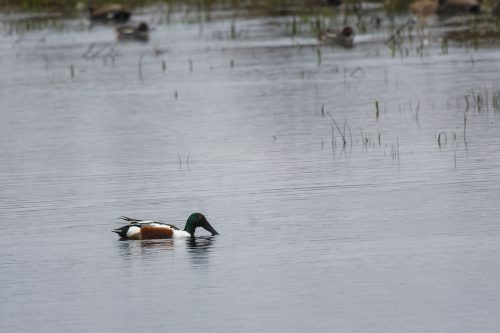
pixel 391 233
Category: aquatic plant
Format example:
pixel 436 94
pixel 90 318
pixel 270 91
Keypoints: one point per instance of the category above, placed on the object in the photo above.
pixel 318 54
pixel 444 135
pixel 336 125
pixel 140 66
pixel 396 40
pixel 496 101
pixel 465 126
pixel 444 46
pixel 483 99
pixel 294 26
pixel 233 30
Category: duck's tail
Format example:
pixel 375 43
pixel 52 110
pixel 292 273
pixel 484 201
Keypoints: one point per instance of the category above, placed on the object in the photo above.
pixel 129 219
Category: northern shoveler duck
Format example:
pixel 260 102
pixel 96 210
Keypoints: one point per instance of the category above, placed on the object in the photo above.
pixel 112 13
pixel 445 7
pixel 131 32
pixel 345 38
pixel 143 229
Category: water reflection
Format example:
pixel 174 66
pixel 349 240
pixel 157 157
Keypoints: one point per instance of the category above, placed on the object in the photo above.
pixel 145 247
pixel 199 249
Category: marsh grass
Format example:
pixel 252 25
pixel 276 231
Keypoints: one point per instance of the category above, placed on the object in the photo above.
pixel 444 46
pixel 341 132
pixel 139 65
pixel 233 33
pixel 294 26
pixel 318 55
pixel 397 38
pixel 181 162
pixel 495 101
pixel 444 135
pixel 395 151
pixel 483 99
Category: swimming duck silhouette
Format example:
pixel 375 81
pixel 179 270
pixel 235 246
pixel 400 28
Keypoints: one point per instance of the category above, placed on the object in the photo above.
pixel 345 38
pixel 145 229
pixel 138 32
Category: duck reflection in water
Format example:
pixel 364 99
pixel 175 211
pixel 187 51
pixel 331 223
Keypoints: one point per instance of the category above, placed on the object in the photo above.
pixel 199 250
pixel 146 246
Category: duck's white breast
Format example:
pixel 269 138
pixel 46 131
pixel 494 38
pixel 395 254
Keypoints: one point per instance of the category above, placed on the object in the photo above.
pixel 181 233
pixel 133 232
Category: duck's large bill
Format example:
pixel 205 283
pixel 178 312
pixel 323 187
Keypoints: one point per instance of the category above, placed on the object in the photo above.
pixel 209 228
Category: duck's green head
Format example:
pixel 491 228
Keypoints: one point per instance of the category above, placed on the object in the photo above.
pixel 196 220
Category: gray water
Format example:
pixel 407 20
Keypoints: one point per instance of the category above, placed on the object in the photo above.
pixel 390 233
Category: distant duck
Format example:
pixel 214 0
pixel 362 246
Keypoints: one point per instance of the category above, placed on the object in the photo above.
pixel 138 32
pixel 452 7
pixel 345 38
pixel 322 3
pixel 112 13
pixel 143 229
pixel 334 3
pixel 445 7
